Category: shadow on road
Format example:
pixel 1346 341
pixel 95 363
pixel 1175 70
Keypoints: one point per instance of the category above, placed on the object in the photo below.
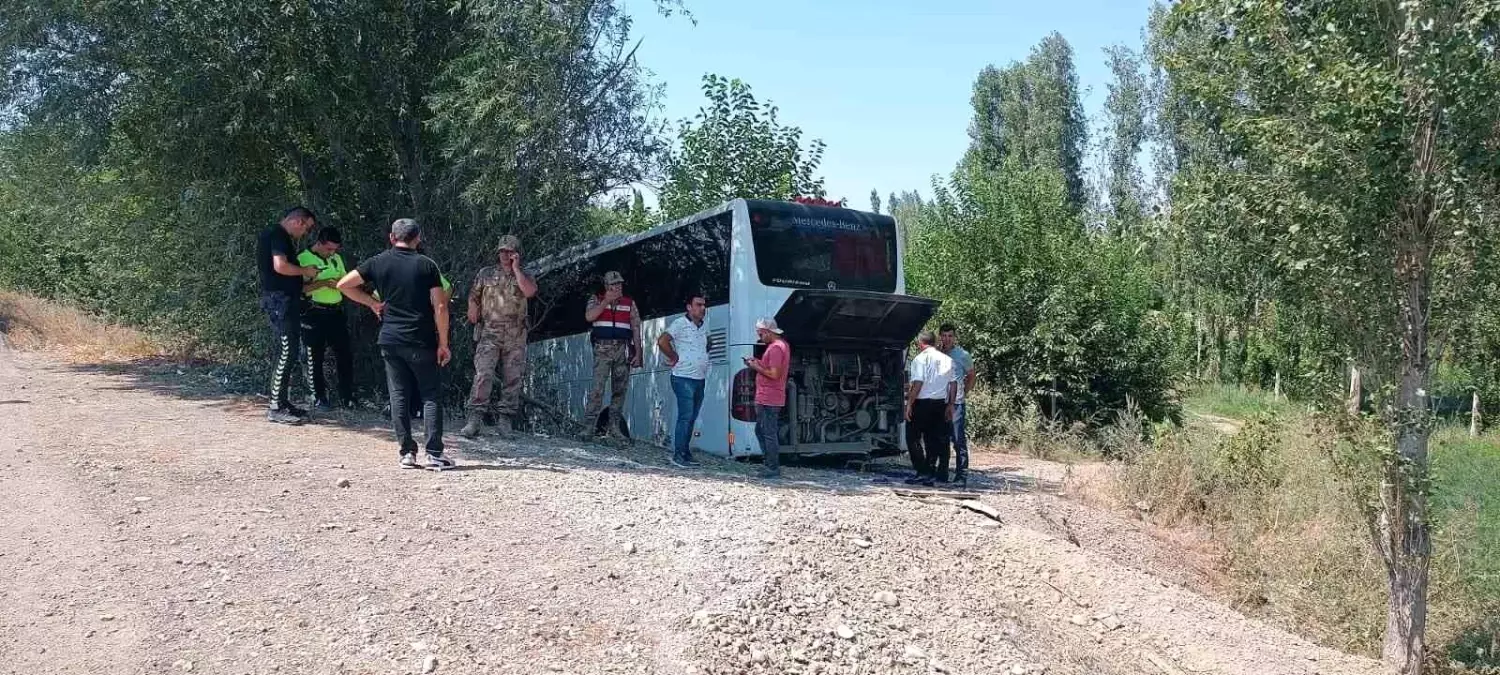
pixel 235 391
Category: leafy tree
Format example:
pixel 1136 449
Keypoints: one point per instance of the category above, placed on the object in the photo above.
pixel 1031 112
pixel 138 135
pixel 737 148
pixel 1125 110
pixel 1362 144
pixel 1060 317
pixel 624 214
pixel 542 112
pixel 874 200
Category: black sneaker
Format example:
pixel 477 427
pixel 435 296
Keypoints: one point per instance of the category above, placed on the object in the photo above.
pixel 322 404
pixel 914 480
pixel 439 463
pixel 409 460
pixel 926 481
pixel 294 410
pixel 280 416
pixel 693 463
pixel 961 477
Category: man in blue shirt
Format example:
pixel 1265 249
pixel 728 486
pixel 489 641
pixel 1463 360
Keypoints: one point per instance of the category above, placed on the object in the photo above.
pixel 963 373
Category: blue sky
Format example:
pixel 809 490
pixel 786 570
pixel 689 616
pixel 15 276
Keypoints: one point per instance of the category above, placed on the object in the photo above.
pixel 885 83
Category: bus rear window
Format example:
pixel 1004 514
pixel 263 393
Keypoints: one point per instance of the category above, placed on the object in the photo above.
pixel 800 246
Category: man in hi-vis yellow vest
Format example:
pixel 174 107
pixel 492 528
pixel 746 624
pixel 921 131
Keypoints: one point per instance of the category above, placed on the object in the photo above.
pixel 323 323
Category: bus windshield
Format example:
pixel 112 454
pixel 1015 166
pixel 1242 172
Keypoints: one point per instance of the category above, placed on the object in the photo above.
pixel 799 246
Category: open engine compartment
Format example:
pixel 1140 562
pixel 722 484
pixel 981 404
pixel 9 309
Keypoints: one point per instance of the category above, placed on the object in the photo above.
pixel 844 401
pixel 844 393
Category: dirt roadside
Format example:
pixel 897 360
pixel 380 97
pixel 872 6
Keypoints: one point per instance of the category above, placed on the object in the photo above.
pixel 151 531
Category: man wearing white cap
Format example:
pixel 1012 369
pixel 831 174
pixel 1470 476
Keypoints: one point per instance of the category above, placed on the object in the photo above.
pixel 771 371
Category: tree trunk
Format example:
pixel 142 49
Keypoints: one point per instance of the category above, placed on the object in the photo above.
pixel 1242 356
pixel 1198 336
pixel 1406 547
pixel 1403 536
pixel 1276 392
pixel 1219 347
pixel 314 194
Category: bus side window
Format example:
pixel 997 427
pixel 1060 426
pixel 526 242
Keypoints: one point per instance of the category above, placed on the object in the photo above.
pixel 659 271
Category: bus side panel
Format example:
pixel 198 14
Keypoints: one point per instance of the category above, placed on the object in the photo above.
pixel 712 430
pixel 711 435
pixel 746 444
pixel 560 372
pixel 750 300
pixel 648 403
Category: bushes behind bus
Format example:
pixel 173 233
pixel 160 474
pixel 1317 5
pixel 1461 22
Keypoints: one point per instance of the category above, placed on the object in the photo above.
pixel 1056 318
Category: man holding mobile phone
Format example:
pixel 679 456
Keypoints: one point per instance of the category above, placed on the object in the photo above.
pixel 770 393
pixel 281 280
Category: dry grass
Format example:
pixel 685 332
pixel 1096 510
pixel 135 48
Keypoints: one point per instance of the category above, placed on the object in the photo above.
pixel 32 324
pixel 1295 548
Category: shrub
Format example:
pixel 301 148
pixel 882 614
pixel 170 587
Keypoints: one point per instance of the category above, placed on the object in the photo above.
pixel 1054 316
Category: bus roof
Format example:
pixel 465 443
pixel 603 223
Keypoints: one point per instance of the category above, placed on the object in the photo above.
pixel 611 242
pixel 614 241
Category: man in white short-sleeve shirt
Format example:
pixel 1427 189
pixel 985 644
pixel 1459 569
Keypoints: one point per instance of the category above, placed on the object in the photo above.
pixel 929 411
pixel 685 348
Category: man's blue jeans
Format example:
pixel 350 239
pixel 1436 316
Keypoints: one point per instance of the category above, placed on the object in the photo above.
pixel 689 393
pixel 960 439
pixel 768 430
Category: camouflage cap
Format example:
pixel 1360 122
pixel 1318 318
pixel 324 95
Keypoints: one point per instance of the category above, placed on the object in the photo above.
pixel 613 278
pixel 509 242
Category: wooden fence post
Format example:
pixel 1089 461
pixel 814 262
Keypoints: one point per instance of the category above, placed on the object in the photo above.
pixel 1276 392
pixel 1474 416
pixel 1355 390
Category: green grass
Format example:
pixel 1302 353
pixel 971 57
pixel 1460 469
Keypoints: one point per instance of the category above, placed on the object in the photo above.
pixel 1466 485
pixel 1234 402
pixel 1466 539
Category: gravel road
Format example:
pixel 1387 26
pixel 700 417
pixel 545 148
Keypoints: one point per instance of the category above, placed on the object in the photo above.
pixel 157 529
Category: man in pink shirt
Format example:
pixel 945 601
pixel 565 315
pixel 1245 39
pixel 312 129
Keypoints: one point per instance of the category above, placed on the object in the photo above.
pixel 770 393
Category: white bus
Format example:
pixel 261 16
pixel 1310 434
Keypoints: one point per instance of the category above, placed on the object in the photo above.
pixel 831 277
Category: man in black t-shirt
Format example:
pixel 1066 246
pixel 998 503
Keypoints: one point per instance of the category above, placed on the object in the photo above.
pixel 413 311
pixel 281 298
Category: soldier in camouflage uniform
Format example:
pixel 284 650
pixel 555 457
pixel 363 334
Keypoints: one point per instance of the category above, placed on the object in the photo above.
pixel 615 330
pixel 497 309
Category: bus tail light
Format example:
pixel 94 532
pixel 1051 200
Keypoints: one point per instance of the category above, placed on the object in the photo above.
pixel 742 396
